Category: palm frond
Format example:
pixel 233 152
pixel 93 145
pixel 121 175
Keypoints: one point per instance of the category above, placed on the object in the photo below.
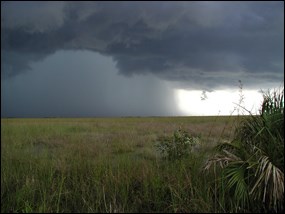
pixel 252 165
pixel 235 175
pixel 269 186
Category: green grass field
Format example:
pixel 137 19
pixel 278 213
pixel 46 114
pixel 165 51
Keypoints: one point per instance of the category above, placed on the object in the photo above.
pixel 103 165
pixel 107 165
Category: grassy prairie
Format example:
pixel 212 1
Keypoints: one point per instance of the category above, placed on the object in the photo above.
pixel 106 164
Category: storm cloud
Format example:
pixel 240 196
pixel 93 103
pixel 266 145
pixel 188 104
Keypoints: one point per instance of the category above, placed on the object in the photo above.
pixel 88 86
pixel 202 45
pixel 84 59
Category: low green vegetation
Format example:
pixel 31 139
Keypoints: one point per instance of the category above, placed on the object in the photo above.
pixel 155 164
pixel 178 146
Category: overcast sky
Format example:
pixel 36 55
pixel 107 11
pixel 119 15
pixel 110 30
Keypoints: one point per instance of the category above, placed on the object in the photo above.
pixel 79 59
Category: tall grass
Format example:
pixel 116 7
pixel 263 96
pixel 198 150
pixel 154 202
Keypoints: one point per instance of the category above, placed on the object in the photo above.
pixel 100 165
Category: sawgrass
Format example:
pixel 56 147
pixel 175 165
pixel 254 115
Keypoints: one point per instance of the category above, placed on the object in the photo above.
pixel 103 165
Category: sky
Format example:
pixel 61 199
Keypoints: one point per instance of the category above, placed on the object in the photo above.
pixel 113 59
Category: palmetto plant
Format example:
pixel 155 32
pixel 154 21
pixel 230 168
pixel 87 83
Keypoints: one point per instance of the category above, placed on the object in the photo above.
pixel 252 165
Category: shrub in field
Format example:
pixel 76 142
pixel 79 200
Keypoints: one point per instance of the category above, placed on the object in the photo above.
pixel 252 165
pixel 177 146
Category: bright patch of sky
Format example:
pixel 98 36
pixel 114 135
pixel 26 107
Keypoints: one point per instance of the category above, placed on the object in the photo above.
pixel 220 102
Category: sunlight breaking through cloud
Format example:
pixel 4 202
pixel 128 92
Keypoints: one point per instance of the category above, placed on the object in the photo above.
pixel 222 102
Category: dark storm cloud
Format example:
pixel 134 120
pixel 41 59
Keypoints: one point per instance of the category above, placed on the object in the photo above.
pixel 203 44
pixel 53 89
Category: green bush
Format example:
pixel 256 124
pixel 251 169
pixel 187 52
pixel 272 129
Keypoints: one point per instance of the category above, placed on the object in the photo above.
pixel 178 146
pixel 252 165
